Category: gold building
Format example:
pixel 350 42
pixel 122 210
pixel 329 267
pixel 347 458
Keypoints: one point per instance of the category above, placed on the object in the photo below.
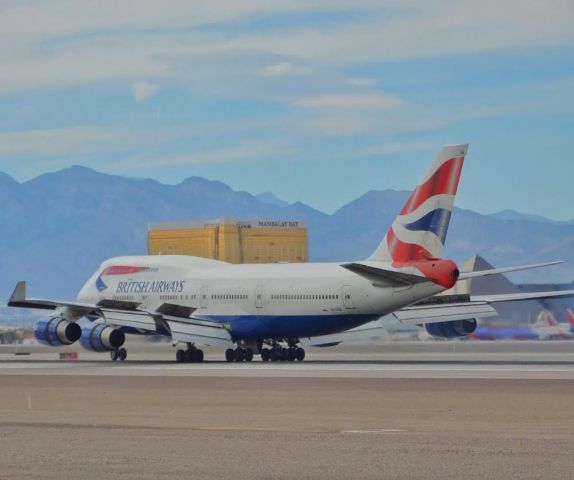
pixel 232 240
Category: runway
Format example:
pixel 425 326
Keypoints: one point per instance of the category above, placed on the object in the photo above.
pixel 355 412
pixel 509 360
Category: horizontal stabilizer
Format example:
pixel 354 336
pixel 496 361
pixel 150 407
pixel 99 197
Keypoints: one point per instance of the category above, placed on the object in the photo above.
pixel 497 271
pixel 382 275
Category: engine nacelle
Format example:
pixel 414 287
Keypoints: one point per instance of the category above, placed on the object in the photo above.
pixel 455 328
pixel 56 331
pixel 99 337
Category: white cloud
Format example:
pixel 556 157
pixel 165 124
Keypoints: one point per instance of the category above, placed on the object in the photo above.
pixel 240 152
pixel 284 68
pixel 370 113
pixel 370 101
pixel 391 148
pixel 362 82
pixel 143 90
pixel 430 28
pixel 57 44
pixel 79 141
pixel 76 65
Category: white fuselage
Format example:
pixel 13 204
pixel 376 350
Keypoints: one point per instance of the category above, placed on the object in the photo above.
pixel 254 301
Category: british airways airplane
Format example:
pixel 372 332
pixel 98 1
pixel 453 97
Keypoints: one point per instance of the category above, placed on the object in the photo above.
pixel 270 309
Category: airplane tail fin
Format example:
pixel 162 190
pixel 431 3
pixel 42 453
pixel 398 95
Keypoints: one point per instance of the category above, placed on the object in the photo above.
pixel 551 320
pixel 570 318
pixel 419 232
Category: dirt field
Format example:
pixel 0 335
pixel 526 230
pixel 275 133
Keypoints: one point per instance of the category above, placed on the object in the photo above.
pixel 85 428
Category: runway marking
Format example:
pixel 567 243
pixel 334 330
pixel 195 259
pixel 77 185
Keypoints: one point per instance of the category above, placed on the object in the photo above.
pixel 382 430
pixel 310 370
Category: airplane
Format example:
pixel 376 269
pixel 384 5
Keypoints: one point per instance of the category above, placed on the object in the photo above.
pixel 504 333
pixel 274 310
pixel 557 330
pixel 546 328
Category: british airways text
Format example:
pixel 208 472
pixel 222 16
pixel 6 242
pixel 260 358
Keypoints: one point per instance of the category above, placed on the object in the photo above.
pixel 161 286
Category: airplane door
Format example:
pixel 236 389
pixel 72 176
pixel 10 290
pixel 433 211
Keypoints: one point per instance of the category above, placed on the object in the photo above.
pixel 259 297
pixel 347 299
pixel 203 296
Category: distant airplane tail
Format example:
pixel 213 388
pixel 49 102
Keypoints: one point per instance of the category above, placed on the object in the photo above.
pixel 419 232
pixel 570 314
pixel 551 320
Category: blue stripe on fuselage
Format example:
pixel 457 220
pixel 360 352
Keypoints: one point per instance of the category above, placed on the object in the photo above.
pixel 436 222
pixel 288 326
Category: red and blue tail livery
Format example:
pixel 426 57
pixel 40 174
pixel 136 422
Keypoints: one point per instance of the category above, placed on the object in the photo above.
pixel 419 232
pixel 417 237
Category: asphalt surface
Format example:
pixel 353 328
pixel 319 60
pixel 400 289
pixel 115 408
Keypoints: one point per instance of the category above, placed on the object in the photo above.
pixel 357 412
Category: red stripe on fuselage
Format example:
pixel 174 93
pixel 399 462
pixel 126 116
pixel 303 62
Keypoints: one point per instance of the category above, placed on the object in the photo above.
pixel 443 182
pixel 122 270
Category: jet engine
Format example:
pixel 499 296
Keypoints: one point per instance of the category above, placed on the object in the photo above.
pixel 452 329
pixel 56 331
pixel 99 337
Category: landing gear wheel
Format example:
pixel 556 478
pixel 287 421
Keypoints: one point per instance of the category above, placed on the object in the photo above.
pixel 238 355
pixel 274 355
pixel 291 355
pixel 300 354
pixel 265 354
pixel 199 356
pixel 122 354
pixel 189 356
pixel 229 355
pixel 114 355
pixel 180 356
pixel 248 354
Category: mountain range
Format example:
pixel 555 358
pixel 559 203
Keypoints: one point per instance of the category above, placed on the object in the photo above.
pixel 57 228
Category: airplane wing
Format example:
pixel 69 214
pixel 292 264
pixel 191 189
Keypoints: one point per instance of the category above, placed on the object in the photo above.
pixel 364 333
pixel 514 297
pixel 174 320
pixel 420 315
pixel 497 271
pixel 18 299
pixel 180 328
pixel 464 307
pixel 435 310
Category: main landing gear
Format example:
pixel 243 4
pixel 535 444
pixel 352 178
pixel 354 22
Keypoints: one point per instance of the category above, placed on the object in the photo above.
pixel 119 355
pixel 281 354
pixel 190 355
pixel 276 353
pixel 240 354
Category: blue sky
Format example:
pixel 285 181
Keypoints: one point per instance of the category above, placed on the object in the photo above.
pixel 316 101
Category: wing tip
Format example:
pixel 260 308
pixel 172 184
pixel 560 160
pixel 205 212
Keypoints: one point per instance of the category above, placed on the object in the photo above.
pixel 19 293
